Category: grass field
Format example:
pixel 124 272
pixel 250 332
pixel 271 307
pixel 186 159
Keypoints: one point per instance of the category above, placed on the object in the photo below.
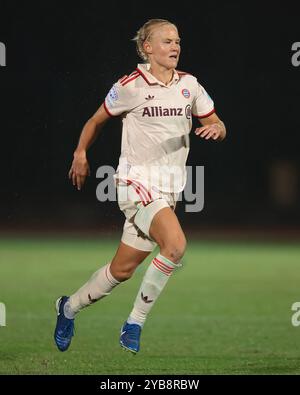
pixel 227 311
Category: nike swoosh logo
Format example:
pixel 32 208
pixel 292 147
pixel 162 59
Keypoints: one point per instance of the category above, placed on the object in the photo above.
pixel 122 333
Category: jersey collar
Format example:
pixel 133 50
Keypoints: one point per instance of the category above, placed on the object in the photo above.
pixel 143 68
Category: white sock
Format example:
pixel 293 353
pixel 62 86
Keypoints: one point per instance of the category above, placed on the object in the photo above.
pixel 99 285
pixel 154 281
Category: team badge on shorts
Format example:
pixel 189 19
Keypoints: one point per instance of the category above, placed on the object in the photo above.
pixel 186 93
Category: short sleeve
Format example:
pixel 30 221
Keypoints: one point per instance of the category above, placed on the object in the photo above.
pixel 118 100
pixel 203 105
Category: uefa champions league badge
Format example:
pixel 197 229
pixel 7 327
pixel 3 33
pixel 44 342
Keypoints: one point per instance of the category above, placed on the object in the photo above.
pixel 112 95
pixel 186 93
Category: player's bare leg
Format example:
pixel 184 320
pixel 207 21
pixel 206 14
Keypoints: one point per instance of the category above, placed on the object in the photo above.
pixel 165 229
pixel 107 277
pixel 99 285
pixel 126 261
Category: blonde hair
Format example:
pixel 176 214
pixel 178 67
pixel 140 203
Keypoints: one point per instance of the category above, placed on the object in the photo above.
pixel 144 33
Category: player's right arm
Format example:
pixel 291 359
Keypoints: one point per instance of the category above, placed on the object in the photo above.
pixel 80 167
pixel 118 100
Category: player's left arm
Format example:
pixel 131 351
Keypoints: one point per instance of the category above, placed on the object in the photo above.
pixel 213 128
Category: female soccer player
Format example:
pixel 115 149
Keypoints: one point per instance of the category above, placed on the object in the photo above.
pixel 156 103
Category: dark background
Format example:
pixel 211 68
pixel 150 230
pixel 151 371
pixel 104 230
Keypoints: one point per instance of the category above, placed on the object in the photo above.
pixel 62 58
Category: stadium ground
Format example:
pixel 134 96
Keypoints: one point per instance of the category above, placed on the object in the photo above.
pixel 227 311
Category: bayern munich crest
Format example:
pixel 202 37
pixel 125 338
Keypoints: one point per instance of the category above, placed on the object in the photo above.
pixel 186 93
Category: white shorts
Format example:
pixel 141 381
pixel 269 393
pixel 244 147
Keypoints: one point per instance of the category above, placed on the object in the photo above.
pixel 132 197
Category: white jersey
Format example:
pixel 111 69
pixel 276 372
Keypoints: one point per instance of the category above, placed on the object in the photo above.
pixel 157 120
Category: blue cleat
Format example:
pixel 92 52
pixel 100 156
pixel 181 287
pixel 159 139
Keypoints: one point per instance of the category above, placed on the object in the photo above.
pixel 64 327
pixel 130 337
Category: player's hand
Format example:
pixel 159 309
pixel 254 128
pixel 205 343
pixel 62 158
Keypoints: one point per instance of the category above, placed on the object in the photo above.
pixel 80 169
pixel 213 131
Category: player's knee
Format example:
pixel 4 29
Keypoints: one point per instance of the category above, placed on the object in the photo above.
pixel 174 250
pixel 123 273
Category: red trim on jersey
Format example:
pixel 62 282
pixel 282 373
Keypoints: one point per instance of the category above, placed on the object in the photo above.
pixel 130 79
pixel 146 79
pixel 126 77
pixel 206 115
pixel 182 72
pixel 107 110
pixel 123 78
pixel 130 75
